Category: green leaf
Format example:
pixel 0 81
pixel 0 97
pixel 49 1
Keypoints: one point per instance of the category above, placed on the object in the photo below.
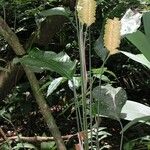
pixel 141 119
pixel 4 146
pixel 138 58
pixel 146 22
pixel 99 71
pixel 48 60
pixel 54 84
pixel 48 146
pixel 76 81
pixel 141 42
pixel 99 48
pixel 111 100
pixel 24 145
pixel 133 110
pixel 141 143
pixel 60 11
pixel 129 146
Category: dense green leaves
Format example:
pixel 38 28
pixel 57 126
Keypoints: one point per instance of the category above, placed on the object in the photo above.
pixel 48 60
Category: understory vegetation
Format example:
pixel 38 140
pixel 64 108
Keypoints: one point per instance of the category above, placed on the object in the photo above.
pixel 74 75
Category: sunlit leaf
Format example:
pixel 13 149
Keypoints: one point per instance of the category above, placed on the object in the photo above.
pixel 54 84
pixel 130 22
pixel 133 110
pixel 76 81
pixel 138 58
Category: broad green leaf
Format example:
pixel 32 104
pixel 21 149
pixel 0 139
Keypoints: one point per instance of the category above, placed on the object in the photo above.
pixel 54 84
pixel 141 119
pixel 99 48
pixel 141 42
pixel 133 110
pixel 54 11
pixel 48 145
pixel 146 22
pixel 24 145
pixel 138 57
pixel 48 60
pixel 111 100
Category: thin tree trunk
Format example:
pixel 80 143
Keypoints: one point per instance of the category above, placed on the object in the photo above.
pixel 13 41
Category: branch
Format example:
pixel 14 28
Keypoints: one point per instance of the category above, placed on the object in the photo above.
pixel 5 138
pixel 36 138
pixel 13 41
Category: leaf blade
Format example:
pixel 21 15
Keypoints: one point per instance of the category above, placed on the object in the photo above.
pixel 48 60
pixel 141 42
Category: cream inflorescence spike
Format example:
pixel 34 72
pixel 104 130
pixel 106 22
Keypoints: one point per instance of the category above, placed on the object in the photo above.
pixel 112 35
pixel 86 11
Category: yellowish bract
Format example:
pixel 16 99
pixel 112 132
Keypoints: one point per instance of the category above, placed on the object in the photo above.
pixel 86 11
pixel 112 35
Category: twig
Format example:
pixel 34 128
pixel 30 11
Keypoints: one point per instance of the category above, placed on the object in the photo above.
pixel 5 138
pixel 37 138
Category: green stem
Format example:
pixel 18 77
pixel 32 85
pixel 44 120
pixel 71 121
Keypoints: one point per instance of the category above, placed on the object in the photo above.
pixel 78 114
pixel 98 120
pixel 122 134
pixel 83 80
pixel 90 89
pixel 13 41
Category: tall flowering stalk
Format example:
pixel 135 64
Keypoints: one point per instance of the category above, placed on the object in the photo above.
pixel 86 15
pixel 112 39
